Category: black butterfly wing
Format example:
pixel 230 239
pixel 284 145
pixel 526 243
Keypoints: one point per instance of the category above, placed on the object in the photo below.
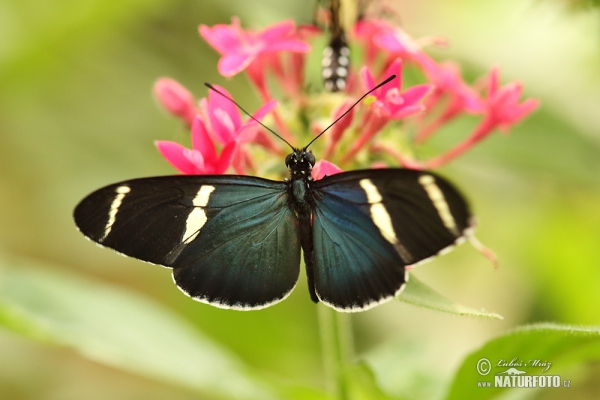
pixel 369 225
pixel 232 241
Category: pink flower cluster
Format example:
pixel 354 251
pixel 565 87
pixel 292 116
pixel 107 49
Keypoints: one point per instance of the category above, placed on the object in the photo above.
pixel 278 54
pixel 215 120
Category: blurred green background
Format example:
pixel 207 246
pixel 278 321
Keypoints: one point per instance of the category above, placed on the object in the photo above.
pixel 77 112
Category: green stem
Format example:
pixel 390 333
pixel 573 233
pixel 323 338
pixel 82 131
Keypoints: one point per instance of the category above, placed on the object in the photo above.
pixel 337 348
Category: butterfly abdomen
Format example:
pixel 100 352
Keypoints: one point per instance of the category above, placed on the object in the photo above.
pixel 335 63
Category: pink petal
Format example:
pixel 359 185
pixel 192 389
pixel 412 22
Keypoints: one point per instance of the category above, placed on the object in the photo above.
pixel 282 37
pixel 196 158
pixel 265 109
pixel 367 78
pixel 364 31
pixel 233 63
pixel 345 122
pixel 240 161
pixel 174 154
pixel 175 98
pixel 263 139
pixel 520 111
pixel 435 72
pixel 223 38
pixel 396 41
pixel 257 73
pixel 367 29
pixel 392 98
pixel 247 132
pixel 293 45
pixel 308 31
pixel 407 111
pixel 202 142
pixel 508 95
pixel 388 42
pixel 364 28
pixel 325 168
pixel 472 103
pixel 493 81
pixel 217 101
pixel 225 157
pixel 223 115
pixel 276 31
pixel 416 93
pixel 395 68
pixel 528 106
pixel 447 79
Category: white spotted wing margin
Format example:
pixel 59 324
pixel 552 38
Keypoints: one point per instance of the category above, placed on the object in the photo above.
pixel 231 241
pixel 369 225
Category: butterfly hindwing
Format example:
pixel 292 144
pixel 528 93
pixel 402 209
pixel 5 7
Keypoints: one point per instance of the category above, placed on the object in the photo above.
pixel 370 224
pixel 355 267
pixel 231 241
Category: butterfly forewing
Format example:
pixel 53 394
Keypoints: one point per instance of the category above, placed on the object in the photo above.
pixel 370 224
pixel 232 241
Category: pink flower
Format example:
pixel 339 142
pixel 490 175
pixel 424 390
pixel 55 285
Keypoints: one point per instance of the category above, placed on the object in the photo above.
pixel 323 168
pixel 219 121
pixel 448 84
pixel 176 99
pixel 288 68
pixel 381 35
pixel 277 54
pixel 242 49
pixel 445 77
pixel 224 118
pixel 226 126
pixel 447 80
pixel 502 110
pixel 390 104
pixel 393 39
pixel 502 103
pixel 239 48
pixel 202 158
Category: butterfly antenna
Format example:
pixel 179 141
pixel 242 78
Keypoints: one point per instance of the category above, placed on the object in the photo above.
pixel 350 108
pixel 211 87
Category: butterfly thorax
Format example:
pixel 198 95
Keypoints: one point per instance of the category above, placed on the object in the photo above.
pixel 300 164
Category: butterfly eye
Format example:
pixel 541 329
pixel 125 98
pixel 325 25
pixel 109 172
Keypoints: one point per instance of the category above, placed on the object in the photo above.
pixel 310 158
pixel 288 159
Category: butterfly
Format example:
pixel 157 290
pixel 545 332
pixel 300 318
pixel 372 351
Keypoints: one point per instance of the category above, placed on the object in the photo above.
pixel 336 55
pixel 235 241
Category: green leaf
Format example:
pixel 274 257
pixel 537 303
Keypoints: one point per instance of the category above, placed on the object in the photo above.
pixel 557 349
pixel 419 294
pixel 407 369
pixel 119 328
pixel 362 383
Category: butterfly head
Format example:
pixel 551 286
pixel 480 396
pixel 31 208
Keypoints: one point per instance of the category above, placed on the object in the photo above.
pixel 300 163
